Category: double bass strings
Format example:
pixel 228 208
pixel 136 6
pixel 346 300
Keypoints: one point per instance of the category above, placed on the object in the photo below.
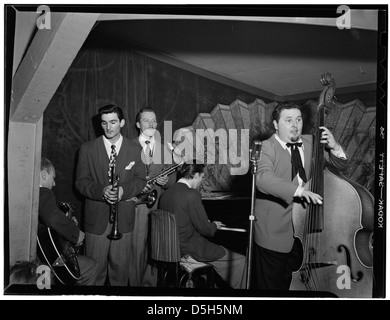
pixel 314 214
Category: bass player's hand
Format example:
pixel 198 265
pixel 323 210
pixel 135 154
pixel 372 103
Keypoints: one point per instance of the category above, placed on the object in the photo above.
pixel 311 197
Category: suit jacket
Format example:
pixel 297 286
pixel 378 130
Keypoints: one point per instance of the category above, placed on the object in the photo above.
pixel 157 165
pixel 273 226
pixel 51 216
pixel 91 178
pixel 192 222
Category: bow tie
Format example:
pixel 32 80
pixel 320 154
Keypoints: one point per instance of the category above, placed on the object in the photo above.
pixel 296 161
pixel 298 144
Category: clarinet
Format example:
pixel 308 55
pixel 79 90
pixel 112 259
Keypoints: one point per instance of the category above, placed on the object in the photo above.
pixel 114 234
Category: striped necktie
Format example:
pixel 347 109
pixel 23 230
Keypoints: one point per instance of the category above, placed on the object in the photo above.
pixel 111 166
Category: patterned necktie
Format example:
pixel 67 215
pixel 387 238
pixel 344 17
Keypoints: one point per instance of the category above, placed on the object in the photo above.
pixel 296 161
pixel 148 153
pixel 111 166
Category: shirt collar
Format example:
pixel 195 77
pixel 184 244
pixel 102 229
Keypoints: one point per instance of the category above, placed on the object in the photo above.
pixel 182 180
pixel 118 144
pixel 143 138
pixel 283 144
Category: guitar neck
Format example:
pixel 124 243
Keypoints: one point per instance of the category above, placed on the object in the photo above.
pixel 67 209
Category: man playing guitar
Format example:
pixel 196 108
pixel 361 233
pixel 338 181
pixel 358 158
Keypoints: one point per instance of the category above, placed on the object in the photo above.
pixel 55 231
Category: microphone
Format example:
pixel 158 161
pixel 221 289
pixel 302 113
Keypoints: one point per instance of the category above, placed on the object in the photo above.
pixel 254 157
pixel 255 154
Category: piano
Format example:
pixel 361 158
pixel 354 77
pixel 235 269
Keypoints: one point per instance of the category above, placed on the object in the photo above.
pixel 233 210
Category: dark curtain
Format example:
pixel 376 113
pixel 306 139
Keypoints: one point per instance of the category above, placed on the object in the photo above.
pixel 107 71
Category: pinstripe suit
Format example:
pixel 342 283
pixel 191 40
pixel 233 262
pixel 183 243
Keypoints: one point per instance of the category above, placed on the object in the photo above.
pixel 141 273
pixel 91 179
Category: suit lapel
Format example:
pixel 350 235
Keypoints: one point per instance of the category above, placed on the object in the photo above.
pixel 123 156
pixel 102 153
pixel 158 158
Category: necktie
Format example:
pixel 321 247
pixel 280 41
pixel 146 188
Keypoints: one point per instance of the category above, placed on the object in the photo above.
pixel 148 152
pixel 111 166
pixel 296 161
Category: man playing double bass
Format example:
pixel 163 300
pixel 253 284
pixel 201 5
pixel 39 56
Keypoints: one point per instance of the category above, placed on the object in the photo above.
pixel 283 170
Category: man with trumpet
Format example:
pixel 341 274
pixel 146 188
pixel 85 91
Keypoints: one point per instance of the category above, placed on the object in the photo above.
pixel 153 153
pixel 100 161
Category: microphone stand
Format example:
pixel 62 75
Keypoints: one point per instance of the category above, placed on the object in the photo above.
pixel 254 157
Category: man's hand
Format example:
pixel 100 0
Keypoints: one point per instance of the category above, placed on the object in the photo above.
pixel 112 195
pixel 219 224
pixel 162 181
pixel 312 197
pixel 74 219
pixel 81 238
pixel 328 139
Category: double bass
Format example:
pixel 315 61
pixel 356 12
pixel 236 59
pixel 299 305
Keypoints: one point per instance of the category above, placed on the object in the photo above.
pixel 336 237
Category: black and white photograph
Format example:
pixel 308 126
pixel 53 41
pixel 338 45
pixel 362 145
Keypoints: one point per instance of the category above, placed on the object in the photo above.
pixel 194 151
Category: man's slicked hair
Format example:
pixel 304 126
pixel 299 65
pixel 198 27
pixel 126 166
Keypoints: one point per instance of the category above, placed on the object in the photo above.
pixel 112 108
pixel 139 114
pixel 188 170
pixel 283 106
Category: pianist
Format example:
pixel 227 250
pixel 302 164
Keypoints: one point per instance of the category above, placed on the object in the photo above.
pixel 185 201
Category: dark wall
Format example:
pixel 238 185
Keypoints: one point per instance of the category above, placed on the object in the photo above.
pixel 105 72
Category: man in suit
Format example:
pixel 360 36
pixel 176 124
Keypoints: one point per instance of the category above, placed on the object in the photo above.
pixel 185 202
pixel 95 184
pixel 277 253
pixel 153 155
pixel 49 215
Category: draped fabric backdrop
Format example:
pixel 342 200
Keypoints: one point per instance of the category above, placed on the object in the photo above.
pixel 107 71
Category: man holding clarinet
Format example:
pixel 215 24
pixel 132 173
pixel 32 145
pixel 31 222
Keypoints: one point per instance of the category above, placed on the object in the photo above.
pixel 95 181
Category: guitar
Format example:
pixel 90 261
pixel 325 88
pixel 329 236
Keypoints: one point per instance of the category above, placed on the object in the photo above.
pixel 58 253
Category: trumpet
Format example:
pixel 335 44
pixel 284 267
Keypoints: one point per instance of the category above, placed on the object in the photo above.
pixel 150 197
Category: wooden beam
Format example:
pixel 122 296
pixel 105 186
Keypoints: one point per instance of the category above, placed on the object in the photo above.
pixel 360 19
pixel 25 25
pixel 24 153
pixel 36 80
pixel 46 62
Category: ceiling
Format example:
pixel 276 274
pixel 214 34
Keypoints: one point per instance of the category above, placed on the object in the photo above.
pixel 279 58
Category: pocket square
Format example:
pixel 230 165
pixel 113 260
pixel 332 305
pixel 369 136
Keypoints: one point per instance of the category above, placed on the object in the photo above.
pixel 130 165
